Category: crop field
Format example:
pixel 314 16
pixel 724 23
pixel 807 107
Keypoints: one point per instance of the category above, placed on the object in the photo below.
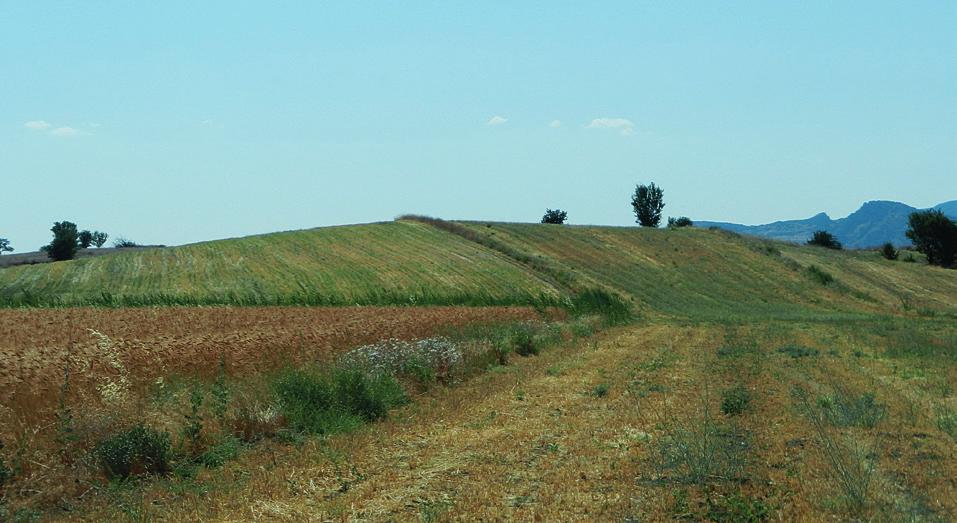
pixel 376 264
pixel 752 381
pixel 36 346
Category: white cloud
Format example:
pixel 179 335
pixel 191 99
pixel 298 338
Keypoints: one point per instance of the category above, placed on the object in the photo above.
pixel 624 126
pixel 497 120
pixel 64 131
pixel 37 125
pixel 555 124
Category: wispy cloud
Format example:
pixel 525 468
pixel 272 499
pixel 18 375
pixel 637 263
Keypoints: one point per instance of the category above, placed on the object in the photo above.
pixel 37 125
pixel 624 126
pixel 64 132
pixel 555 124
pixel 497 120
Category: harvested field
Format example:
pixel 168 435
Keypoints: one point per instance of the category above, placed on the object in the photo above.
pixel 35 344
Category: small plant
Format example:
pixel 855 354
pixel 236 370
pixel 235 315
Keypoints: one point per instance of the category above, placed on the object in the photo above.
pixel 844 409
pixel 600 391
pixel 737 508
pixel 947 422
pixel 735 400
pixel 797 351
pixel 193 427
pixel 523 342
pixel 556 216
pixel 140 450
pixel 852 468
pixel 820 276
pixel 700 451
pixel 6 473
pixel 824 239
pixel 889 252
pixel 220 392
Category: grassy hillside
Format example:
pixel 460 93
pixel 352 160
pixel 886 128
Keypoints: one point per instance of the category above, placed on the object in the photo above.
pixel 377 263
pixel 692 273
pixel 702 273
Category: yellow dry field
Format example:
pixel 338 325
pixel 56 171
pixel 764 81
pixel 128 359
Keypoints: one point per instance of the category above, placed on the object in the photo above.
pixel 538 440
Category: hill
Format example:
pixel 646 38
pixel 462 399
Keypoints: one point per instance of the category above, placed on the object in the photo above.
pixel 874 224
pixel 685 272
pixel 383 263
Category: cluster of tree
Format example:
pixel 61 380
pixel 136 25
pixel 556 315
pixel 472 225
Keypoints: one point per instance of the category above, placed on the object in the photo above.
pixel 647 202
pixel 67 240
pixel 825 239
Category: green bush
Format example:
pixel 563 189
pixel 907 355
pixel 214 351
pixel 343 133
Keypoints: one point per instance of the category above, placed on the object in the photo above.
pixel 523 341
pixel 5 473
pixel 824 239
pixel 339 401
pixel 889 252
pixel 600 391
pixel 818 275
pixel 140 450
pixel 797 351
pixel 735 400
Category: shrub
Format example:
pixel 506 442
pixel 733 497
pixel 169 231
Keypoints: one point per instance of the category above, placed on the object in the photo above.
pixel 735 400
pixel 682 221
pixel 556 216
pixel 797 351
pixel 820 276
pixel 339 401
pixel 824 239
pixel 140 450
pixel 844 409
pixel 600 391
pixel 888 251
pixel 700 451
pixel 6 474
pixel 65 241
pixel 935 235
pixel 647 202
pixel 523 341
pixel 738 508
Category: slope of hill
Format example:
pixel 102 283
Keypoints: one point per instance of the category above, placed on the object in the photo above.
pixel 875 223
pixel 383 263
pixel 711 274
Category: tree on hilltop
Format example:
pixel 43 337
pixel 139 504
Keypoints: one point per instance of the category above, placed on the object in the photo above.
pixel 556 216
pixel 5 246
pixel 99 239
pixel 65 241
pixel 647 203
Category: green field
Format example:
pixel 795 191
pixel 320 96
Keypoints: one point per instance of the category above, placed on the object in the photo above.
pixel 385 263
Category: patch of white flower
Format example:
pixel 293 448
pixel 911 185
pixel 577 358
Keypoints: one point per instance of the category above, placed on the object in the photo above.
pixel 394 356
pixel 111 391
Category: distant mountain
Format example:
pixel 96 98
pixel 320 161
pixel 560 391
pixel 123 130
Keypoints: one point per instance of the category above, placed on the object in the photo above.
pixel 872 225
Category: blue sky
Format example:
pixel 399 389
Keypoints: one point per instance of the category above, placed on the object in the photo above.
pixel 174 122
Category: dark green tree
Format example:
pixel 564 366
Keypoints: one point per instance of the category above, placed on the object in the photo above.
pixel 85 239
pixel 935 235
pixel 556 216
pixel 648 202
pixel 888 251
pixel 5 246
pixel 65 241
pixel 99 239
pixel 824 239
pixel 681 221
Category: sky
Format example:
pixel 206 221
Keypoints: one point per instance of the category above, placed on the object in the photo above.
pixel 176 122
